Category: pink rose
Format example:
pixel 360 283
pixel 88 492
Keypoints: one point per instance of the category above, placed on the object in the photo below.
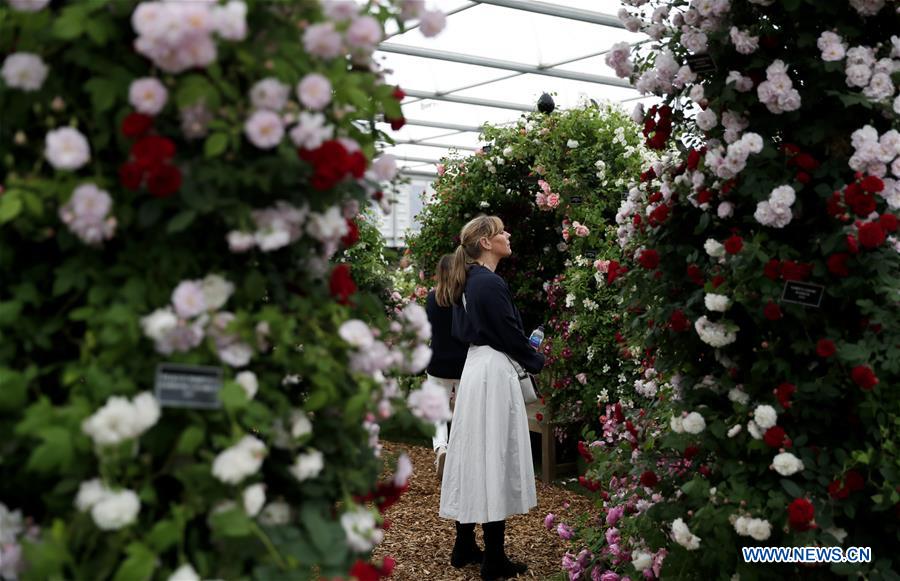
pixel 602 266
pixel 421 292
pixel 582 378
pixel 564 531
pixel 553 200
pixel 581 230
pixel 545 187
pixel 549 521
pixel 565 234
pixel 441 169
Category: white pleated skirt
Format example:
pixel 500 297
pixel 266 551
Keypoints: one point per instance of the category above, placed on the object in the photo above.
pixel 488 472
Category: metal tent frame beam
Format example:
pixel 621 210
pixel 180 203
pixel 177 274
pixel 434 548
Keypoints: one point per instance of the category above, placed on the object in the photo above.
pixel 416 25
pixel 418 174
pixel 560 11
pixel 422 95
pixel 442 125
pixel 431 144
pixel 426 160
pixel 501 64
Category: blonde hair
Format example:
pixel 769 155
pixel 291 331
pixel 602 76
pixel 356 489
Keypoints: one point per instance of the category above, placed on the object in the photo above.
pixel 442 293
pixel 468 251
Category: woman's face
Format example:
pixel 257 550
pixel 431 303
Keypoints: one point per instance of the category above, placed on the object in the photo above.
pixel 499 245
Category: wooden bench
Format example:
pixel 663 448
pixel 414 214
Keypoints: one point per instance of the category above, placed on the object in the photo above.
pixel 549 467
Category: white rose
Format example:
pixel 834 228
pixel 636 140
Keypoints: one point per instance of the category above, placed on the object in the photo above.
pixel 759 529
pixel 216 291
pixel 239 461
pixel 275 514
pixel 683 536
pixel 742 526
pixel 66 148
pixel 787 464
pixel 641 560
pixel 430 402
pixel 735 430
pixel 754 430
pixel 677 424
pixel 116 510
pixel 707 119
pixel 159 323
pixel 717 302
pixel 738 396
pixel 185 573
pixel 694 423
pixel 113 423
pixel 714 248
pixel 572 144
pixel 765 416
pixel 783 196
pixel 300 424
pixel 90 493
pixel 25 71
pixel 146 409
pixel 360 527
pixel 254 499
pixel 236 354
pixel 148 95
pixel 356 333
pixel 308 465
pixel 249 382
pixel 725 210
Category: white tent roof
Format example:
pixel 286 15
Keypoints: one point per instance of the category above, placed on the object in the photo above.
pixel 493 60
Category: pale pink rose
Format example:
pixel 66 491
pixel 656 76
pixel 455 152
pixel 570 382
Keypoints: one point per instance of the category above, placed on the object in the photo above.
pixel 340 10
pixel 148 95
pixel 323 40
pixel 441 169
pixel 364 33
pixel 28 5
pixel 314 91
pixel 545 187
pixel 188 299
pixel 602 266
pixel 581 230
pixel 410 9
pixel 565 234
pixel 270 94
pixel 230 21
pixel 540 199
pixel 421 292
pixel 432 22
pixel 24 71
pixel 264 129
pixel 582 378
pixel 240 241
pixel 67 148
pixel 553 200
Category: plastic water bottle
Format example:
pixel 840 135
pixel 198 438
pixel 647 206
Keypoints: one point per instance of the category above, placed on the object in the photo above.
pixel 537 337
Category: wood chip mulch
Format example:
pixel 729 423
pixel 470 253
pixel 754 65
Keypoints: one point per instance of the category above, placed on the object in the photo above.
pixel 421 541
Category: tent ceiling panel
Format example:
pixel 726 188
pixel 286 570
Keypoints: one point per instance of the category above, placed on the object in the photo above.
pixel 528 88
pixel 443 111
pixel 432 74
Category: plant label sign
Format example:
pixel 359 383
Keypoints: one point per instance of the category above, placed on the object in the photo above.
pixel 188 386
pixel 803 293
pixel 701 63
pixel 576 199
pixel 590 254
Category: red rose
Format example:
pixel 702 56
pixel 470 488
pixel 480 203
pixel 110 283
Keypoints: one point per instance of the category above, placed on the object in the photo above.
pixel 734 244
pixel 772 311
pixel 341 284
pixel 783 394
pixel 695 274
pixel 398 93
pixel 152 150
pixel 131 175
pixel 397 123
pixel 772 269
pixel 791 270
pixel 364 571
pixel 717 281
pixel 660 214
pixel 864 377
pixel 704 197
pixel 790 149
pixel 649 259
pixel 852 245
pixel 690 452
pixel 615 271
pixel 163 180
pixel 837 264
pixel 837 490
pixel 655 197
pixel 678 322
pixel 871 234
pixel 356 164
pixel 805 162
pixel 872 184
pixel 693 159
pixel 649 479
pixel 136 124
pixel 863 205
pixel 648 175
pixel 825 348
pixel 539 417
pixel 352 235
pixel 854 481
pixel 888 222
pixel 584 452
pixel 774 437
pixel 800 514
pixel 803 177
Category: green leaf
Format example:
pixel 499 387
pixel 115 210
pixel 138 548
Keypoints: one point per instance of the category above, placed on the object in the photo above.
pixel 232 523
pixel 139 565
pixel 190 440
pixel 181 221
pixel 9 312
pixel 103 93
pixel 163 535
pixel 55 451
pixel 215 145
pixel 13 391
pixel 233 396
pixel 99 30
pixel 791 488
pixel 70 24
pixel 10 206
pixel 195 89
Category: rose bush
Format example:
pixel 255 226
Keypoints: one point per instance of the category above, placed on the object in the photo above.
pixel 779 428
pixel 182 182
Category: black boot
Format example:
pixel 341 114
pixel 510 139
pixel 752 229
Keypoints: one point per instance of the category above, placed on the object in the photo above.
pixel 465 549
pixel 496 564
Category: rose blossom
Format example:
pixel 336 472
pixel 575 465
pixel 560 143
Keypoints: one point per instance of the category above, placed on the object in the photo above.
pixel 430 402
pixel 432 22
pixel 66 148
pixel 270 94
pixel 24 70
pixel 787 464
pixel 322 40
pixel 314 91
pixel 364 33
pixel 264 129
pixel 148 95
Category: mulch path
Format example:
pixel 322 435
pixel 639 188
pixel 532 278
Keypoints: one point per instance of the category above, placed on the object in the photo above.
pixel 421 541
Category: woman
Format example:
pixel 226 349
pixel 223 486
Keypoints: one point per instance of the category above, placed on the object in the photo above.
pixel 489 473
pixel 448 353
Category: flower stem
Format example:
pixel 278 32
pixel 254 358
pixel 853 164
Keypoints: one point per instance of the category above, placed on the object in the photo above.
pixel 279 560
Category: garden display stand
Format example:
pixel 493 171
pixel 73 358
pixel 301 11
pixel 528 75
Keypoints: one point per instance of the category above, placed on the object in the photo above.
pixel 549 467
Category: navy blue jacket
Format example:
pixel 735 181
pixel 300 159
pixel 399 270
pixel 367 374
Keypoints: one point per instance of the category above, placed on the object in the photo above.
pixel 491 318
pixel 448 354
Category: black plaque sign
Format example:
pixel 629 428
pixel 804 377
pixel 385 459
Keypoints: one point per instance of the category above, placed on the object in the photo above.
pixel 188 386
pixel 701 63
pixel 576 199
pixel 803 293
pixel 590 254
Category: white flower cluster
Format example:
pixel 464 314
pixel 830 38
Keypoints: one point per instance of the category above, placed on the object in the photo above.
pixel 758 528
pixel 867 7
pixel 24 71
pixel 734 123
pixel 276 227
pixel 777 92
pixel 360 526
pixel 308 465
pixel 683 536
pixel 872 75
pixel 776 211
pixel 111 510
pixel 120 419
pixel 787 464
pixel 67 148
pixel 86 214
pixel 665 75
pixel 618 59
pixel 716 302
pixel 646 388
pixel 182 326
pixel 692 423
pixel 880 157
pixel 430 402
pixel 743 41
pixel 832 46
pixel 742 83
pixel 715 334
pixel 178 36
pixel 236 463
pixel 727 163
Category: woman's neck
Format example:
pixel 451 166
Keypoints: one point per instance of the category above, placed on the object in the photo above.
pixel 490 262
